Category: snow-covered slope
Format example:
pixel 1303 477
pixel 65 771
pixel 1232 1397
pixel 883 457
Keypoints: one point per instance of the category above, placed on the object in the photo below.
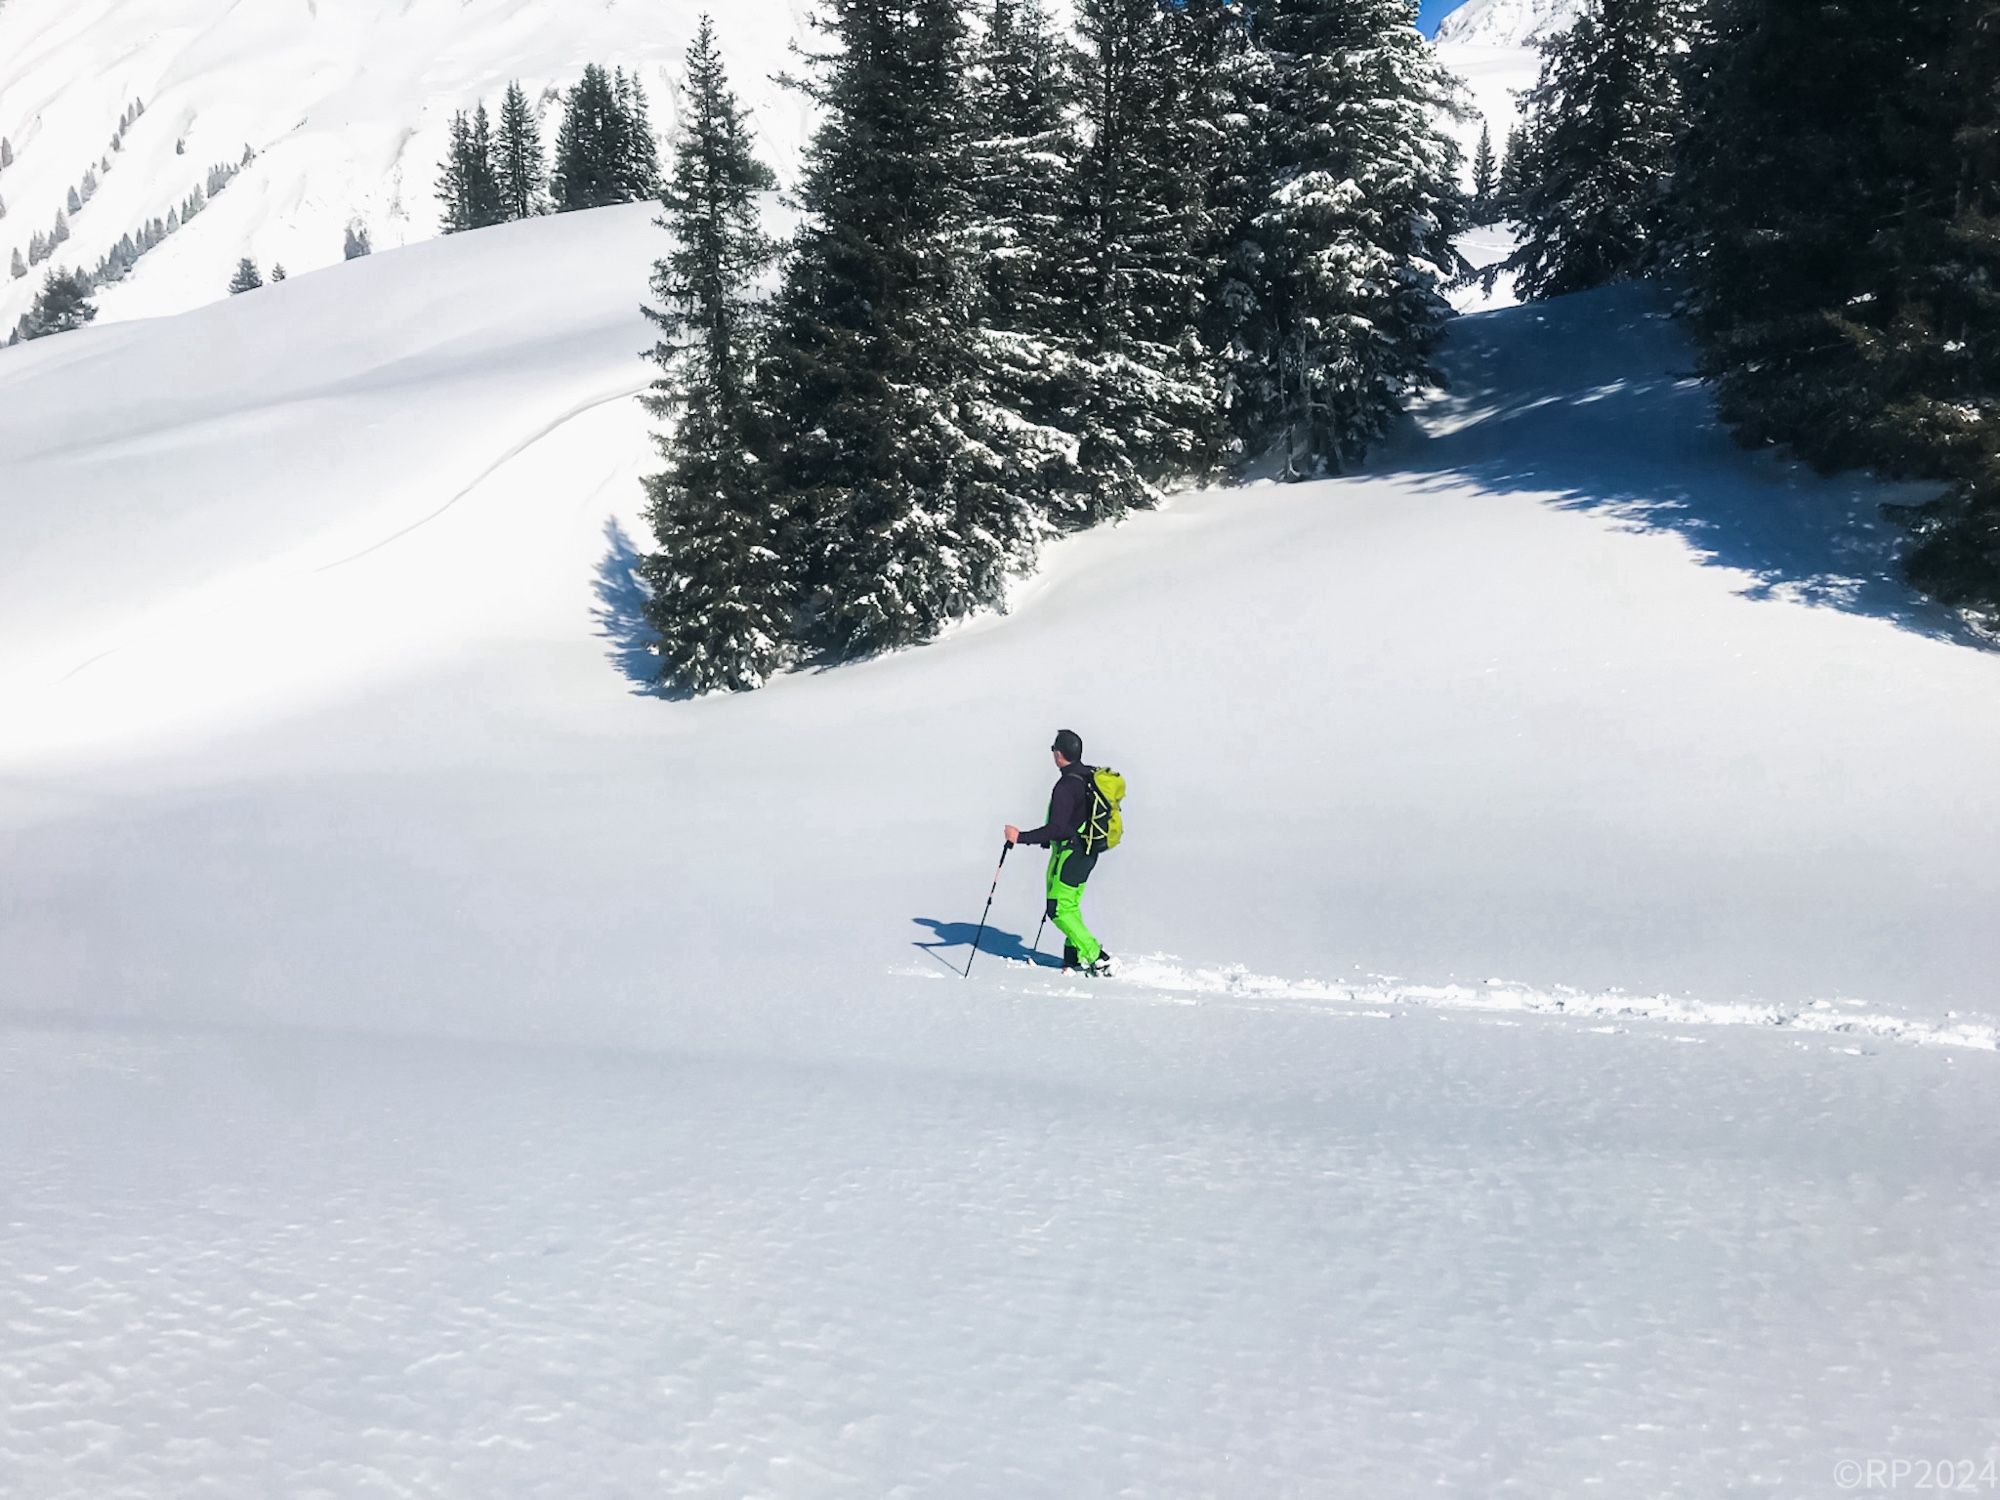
pixel 1506 23
pixel 346 102
pixel 329 513
pixel 1557 901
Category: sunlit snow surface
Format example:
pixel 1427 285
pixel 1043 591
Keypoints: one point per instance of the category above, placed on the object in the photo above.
pixel 429 1064
pixel 347 103
pixel 1509 23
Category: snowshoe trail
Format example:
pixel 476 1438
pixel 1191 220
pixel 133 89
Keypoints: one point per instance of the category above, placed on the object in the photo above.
pixel 1168 978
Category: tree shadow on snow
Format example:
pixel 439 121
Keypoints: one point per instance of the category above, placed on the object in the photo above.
pixel 620 614
pixel 959 935
pixel 1598 409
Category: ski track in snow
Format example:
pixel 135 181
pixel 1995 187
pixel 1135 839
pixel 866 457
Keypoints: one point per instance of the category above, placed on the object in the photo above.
pixel 541 434
pixel 1167 975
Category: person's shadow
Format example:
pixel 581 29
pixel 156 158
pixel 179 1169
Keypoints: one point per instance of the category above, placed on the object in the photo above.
pixel 959 935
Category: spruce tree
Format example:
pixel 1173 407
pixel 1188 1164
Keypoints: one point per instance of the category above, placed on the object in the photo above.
pixel 1485 180
pixel 640 173
pixel 1021 96
pixel 485 203
pixel 523 173
pixel 454 188
pixel 720 586
pixel 6 153
pixel 1943 420
pixel 1508 199
pixel 62 306
pixel 1225 129
pixel 900 469
pixel 1359 225
pixel 1821 141
pixel 1604 120
pixel 591 166
pixel 20 266
pixel 357 243
pixel 246 279
pixel 278 273
pixel 1149 404
pixel 60 234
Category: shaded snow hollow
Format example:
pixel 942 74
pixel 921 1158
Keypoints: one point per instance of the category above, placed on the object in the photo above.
pixel 432 1063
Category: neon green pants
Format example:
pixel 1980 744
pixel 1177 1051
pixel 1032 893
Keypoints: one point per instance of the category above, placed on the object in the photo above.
pixel 1065 907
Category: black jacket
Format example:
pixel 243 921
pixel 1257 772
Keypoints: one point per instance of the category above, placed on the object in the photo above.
pixel 1069 805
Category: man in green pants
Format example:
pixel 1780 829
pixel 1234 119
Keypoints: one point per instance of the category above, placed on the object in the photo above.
pixel 1069 865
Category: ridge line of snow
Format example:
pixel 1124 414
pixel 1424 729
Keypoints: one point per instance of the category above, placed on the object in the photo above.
pixel 534 439
pixel 1169 974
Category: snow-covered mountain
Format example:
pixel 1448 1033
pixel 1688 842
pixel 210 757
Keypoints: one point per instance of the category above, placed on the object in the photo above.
pixel 346 104
pixel 1506 23
pixel 346 107
pixel 1490 46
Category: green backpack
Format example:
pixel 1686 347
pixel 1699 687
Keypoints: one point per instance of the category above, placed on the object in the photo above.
pixel 1105 824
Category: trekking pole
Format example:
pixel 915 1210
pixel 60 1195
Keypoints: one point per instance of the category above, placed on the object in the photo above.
pixel 1038 935
pixel 989 909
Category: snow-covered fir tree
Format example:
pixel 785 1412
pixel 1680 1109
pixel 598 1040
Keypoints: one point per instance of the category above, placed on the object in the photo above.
pixel 522 170
pixel 1508 198
pixel 1603 122
pixel 899 462
pixel 453 190
pixel 1821 136
pixel 1951 401
pixel 1359 226
pixel 357 243
pixel 638 151
pixel 246 279
pixel 469 186
pixel 720 583
pixel 1018 165
pixel 1149 403
pixel 1227 79
pixel 61 306
pixel 592 168
pixel 1485 179
pixel 485 201
pixel 19 267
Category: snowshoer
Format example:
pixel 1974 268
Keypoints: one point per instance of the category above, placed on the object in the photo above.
pixel 1069 865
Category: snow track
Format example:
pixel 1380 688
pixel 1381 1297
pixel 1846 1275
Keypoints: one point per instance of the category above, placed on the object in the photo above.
pixel 1164 975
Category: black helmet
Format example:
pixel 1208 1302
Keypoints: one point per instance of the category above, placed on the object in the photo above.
pixel 1069 745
